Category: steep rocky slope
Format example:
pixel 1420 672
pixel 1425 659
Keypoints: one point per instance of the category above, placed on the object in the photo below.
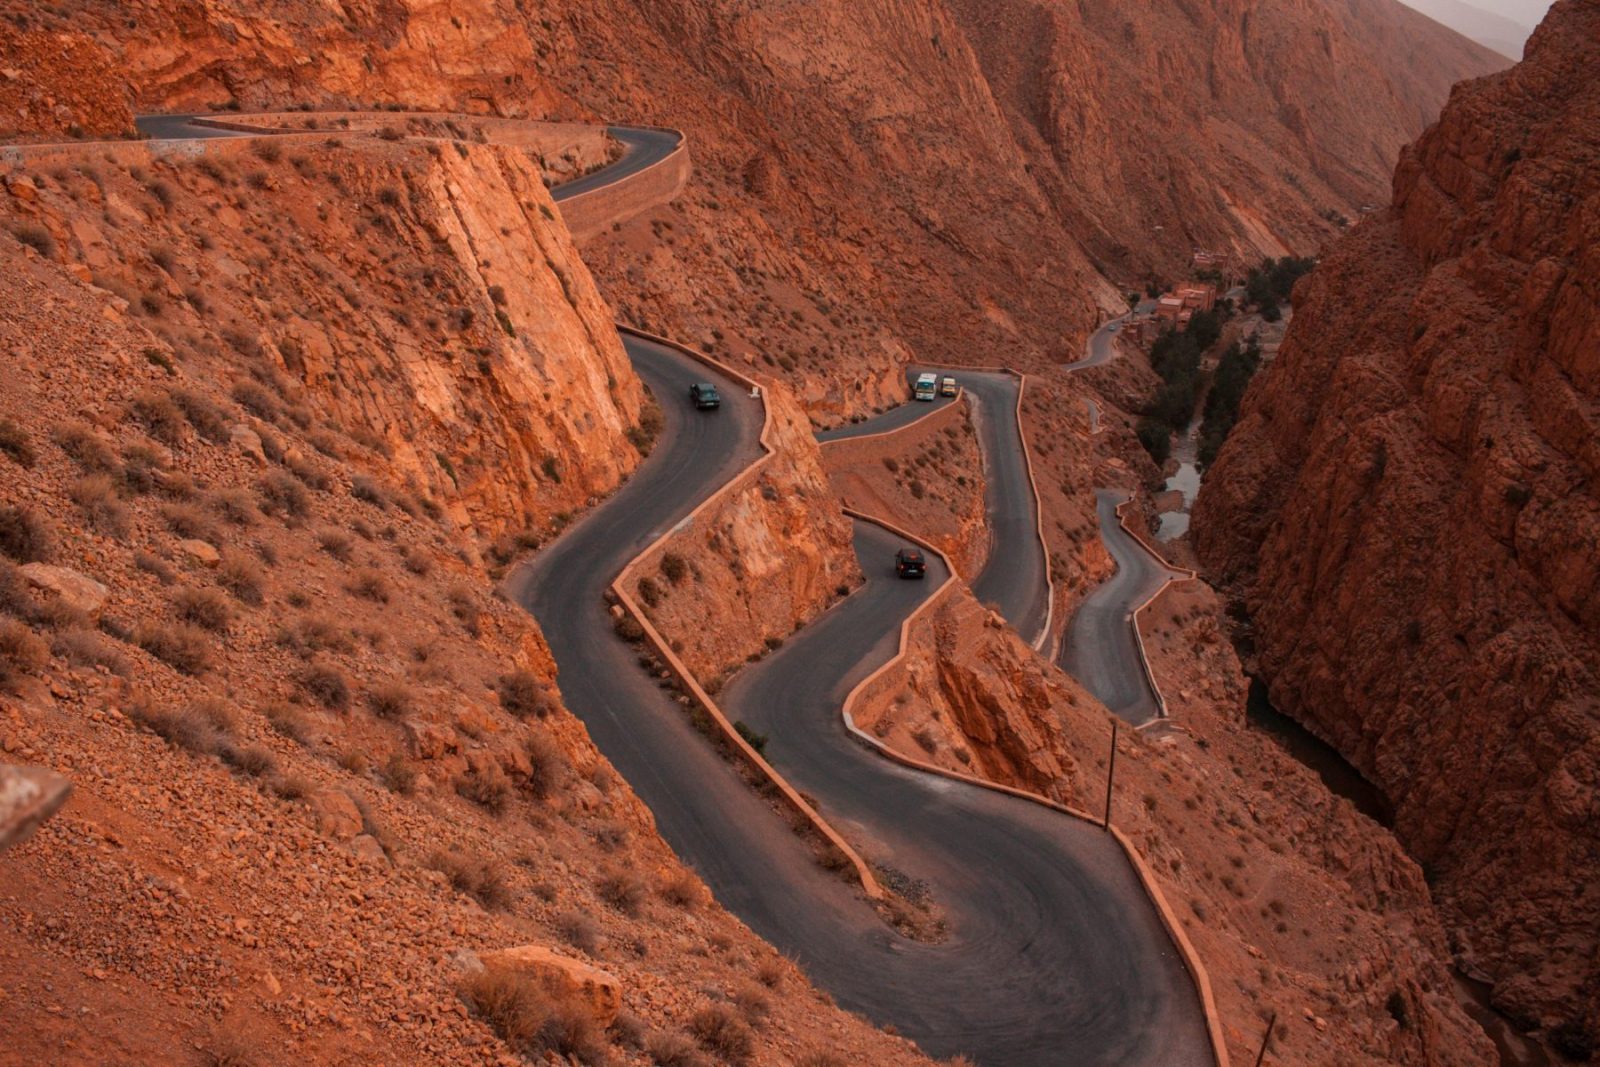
pixel 875 177
pixel 1409 509
pixel 320 767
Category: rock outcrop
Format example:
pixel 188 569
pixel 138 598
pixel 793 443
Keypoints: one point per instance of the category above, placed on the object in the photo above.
pixel 1409 510
pixel 757 564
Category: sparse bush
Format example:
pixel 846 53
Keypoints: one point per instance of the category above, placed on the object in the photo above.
pixel 21 653
pixel 474 876
pixel 683 889
pixel 546 766
pixel 255 399
pixel 180 646
pixel 151 564
pixel 203 727
pixel 292 786
pixel 365 489
pixel 240 576
pixel 161 418
pixel 335 543
pixel 524 695
pixel 85 648
pixel 649 591
pixel 674 1050
pixel 391 700
pixel 313 633
pixel 327 685
pixel 417 561
pixel 25 535
pixel 624 890
pixel 486 787
pixel 96 496
pixel 370 584
pixel 37 238
pixel 287 720
pixel 673 568
pixel 188 521
pixel 15 442
pixel 281 493
pixel 85 447
pixel 235 506
pixel 721 1032
pixel 536 1019
pixel 203 607
pixel 579 931
pixel 398 775
pixel 309 473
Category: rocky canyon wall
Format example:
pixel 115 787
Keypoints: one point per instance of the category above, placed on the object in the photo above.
pixel 1409 509
pixel 422 294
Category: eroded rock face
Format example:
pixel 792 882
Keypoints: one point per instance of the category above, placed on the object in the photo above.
pixel 758 564
pixel 1409 507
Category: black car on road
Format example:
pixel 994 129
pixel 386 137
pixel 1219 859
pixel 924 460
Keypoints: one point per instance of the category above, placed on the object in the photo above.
pixel 908 563
pixel 703 395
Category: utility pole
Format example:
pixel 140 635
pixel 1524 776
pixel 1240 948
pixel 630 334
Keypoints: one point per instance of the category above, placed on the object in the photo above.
pixel 1111 771
pixel 1266 1039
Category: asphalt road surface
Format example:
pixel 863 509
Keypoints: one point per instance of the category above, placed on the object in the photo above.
pixel 1100 649
pixel 1013 575
pixel 1101 347
pixel 642 149
pixel 180 128
pixel 1054 954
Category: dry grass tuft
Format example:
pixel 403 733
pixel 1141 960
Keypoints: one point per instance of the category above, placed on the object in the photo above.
pixel 204 607
pixel 180 646
pixel 721 1032
pixel 25 535
pixel 534 1019
pixel 624 890
pixel 475 876
pixel 21 653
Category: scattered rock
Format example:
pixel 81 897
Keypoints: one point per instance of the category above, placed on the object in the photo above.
pixel 201 552
pixel 76 591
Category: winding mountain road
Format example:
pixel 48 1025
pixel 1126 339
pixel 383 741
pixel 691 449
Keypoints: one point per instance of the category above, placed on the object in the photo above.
pixel 1054 954
pixel 1101 645
pixel 1013 578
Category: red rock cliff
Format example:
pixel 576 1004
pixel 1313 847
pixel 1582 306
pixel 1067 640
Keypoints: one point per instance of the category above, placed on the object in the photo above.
pixel 1410 508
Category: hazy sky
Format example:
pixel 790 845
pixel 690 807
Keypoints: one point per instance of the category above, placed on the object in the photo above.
pixel 1527 12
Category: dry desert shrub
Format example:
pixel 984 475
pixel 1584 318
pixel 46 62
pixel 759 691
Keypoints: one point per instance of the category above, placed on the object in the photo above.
pixel 282 494
pixel 534 1018
pixel 674 1050
pixel 721 1032
pixel 310 634
pixel 204 607
pixel 96 496
pixel 204 727
pixel 475 876
pixel 161 418
pixel 188 521
pixel 85 648
pixel 683 889
pixel 398 776
pixel 85 447
pixel 417 561
pixel 21 653
pixel 15 442
pixel 391 700
pixel 370 584
pixel 240 576
pixel 624 890
pixel 327 685
pixel 25 535
pixel 487 787
pixel 579 931
pixel 180 646
pixel 524 694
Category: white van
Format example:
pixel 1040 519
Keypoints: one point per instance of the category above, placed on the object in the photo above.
pixel 927 387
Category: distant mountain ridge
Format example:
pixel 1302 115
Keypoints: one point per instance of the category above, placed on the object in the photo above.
pixel 1497 32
